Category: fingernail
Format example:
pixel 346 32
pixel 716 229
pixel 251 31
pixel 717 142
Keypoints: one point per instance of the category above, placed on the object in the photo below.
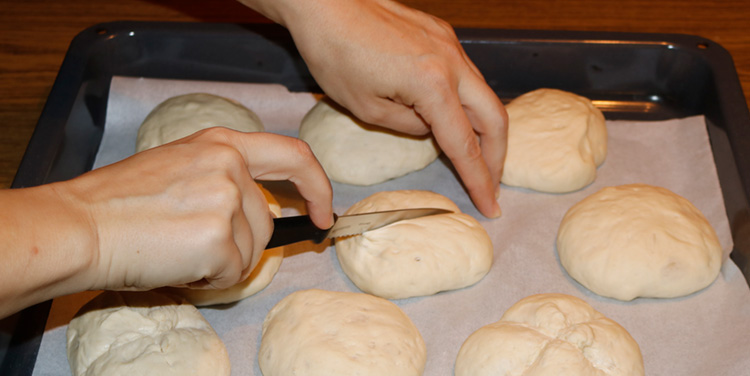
pixel 497 212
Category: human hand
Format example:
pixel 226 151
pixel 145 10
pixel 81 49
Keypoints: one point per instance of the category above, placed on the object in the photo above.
pixel 189 212
pixel 397 67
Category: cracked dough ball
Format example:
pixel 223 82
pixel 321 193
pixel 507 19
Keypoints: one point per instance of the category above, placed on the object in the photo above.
pixel 638 240
pixel 143 333
pixel 556 140
pixel 357 153
pixel 261 276
pixel 550 334
pixel 183 115
pixel 325 333
pixel 415 257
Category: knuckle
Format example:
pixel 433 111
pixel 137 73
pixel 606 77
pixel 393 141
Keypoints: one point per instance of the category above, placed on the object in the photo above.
pixel 434 71
pixel 227 196
pixel 371 115
pixel 214 133
pixel 304 152
pixel 217 230
pixel 471 149
pixel 226 155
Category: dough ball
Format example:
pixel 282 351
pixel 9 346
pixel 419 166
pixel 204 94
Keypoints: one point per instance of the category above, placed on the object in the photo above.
pixel 353 152
pixel 143 333
pixel 550 334
pixel 316 332
pixel 261 276
pixel 415 257
pixel 638 240
pixel 181 116
pixel 556 140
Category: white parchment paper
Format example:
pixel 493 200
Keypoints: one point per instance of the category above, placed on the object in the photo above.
pixel 705 333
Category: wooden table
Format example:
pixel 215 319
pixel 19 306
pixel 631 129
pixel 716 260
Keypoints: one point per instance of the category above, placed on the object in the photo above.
pixel 35 34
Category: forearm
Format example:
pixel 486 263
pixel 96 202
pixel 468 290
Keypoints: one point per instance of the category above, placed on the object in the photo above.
pixel 47 246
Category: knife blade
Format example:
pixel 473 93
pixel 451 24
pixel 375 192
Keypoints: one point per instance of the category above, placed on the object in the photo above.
pixel 288 230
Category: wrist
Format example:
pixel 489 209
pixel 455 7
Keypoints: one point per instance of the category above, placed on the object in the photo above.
pixel 48 246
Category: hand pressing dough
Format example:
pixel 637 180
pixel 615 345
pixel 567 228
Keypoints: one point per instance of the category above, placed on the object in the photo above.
pixel 261 276
pixel 354 152
pixel 550 334
pixel 415 257
pixel 143 333
pixel 316 332
pixel 638 240
pixel 556 140
pixel 181 116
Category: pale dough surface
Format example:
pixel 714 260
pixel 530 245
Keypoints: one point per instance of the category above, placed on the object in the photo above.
pixel 357 153
pixel 415 257
pixel 325 333
pixel 183 115
pixel 556 141
pixel 550 335
pixel 143 333
pixel 638 240
pixel 261 276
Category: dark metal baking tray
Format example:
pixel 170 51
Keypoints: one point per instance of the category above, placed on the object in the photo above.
pixel 629 76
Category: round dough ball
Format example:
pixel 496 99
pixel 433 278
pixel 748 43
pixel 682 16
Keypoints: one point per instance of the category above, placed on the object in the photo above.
pixel 143 333
pixel 353 152
pixel 316 332
pixel 638 240
pixel 415 257
pixel 261 276
pixel 556 140
pixel 550 334
pixel 183 115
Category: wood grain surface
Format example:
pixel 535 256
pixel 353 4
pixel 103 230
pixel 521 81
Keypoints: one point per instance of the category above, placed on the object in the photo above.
pixel 35 34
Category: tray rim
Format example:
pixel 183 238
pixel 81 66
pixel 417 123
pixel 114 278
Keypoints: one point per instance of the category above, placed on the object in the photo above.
pixel 36 163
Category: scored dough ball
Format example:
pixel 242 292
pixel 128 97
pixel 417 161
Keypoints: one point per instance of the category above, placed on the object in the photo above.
pixel 550 334
pixel 143 333
pixel 316 332
pixel 261 276
pixel 415 257
pixel 638 240
pixel 556 140
pixel 353 152
pixel 183 115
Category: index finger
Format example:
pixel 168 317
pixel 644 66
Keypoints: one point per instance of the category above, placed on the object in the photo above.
pixel 276 157
pixel 458 140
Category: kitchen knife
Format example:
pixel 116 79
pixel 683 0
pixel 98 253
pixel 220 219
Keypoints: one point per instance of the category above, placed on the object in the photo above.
pixel 288 230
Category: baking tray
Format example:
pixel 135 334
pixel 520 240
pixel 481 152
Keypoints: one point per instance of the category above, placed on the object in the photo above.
pixel 628 75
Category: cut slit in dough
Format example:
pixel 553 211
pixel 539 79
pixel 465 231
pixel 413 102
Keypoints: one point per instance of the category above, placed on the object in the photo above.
pixel 550 335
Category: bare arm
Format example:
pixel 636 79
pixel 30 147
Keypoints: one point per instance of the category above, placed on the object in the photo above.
pixel 186 213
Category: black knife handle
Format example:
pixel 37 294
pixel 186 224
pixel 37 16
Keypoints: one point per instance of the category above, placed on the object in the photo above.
pixel 288 230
